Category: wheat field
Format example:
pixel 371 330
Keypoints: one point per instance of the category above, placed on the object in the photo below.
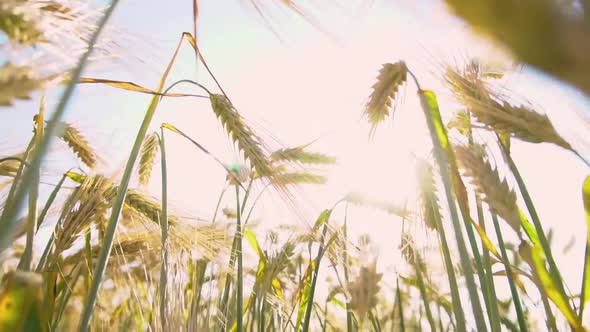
pixel 102 198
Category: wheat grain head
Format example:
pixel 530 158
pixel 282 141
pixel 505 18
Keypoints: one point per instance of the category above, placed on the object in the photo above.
pixel 491 110
pixel 364 289
pixel 428 198
pixel 300 155
pixel 149 151
pixel 390 78
pixel 17 82
pixel 494 191
pixel 92 198
pixel 146 206
pixel 359 200
pixel 77 143
pixel 242 135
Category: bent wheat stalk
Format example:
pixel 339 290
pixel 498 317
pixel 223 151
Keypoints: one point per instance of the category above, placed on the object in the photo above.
pixel 120 199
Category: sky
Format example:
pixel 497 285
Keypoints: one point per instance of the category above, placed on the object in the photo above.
pixel 303 84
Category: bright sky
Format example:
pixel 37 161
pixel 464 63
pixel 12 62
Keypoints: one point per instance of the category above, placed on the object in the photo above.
pixel 312 85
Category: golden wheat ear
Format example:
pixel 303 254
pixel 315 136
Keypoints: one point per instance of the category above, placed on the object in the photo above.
pixel 364 290
pixel 18 26
pixel 494 191
pixel 390 78
pixel 242 135
pixel 359 200
pixel 129 245
pixel 300 155
pixel 9 165
pixel 428 196
pixel 146 206
pixel 491 110
pixel 78 143
pixel 89 203
pixel 149 151
pixel 295 178
pixel 17 82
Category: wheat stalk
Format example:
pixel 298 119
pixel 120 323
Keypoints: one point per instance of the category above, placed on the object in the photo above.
pixel 148 156
pixel 390 78
pixel 78 144
pixel 495 192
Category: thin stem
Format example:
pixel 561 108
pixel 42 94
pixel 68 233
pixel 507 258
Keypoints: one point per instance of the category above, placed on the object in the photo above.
pixel 164 230
pixel 186 81
pixel 349 323
pixel 239 288
pixel 20 160
pixel 232 259
pixel 316 272
pixel 448 262
pixel 25 262
pixel 494 314
pixel 68 290
pixel 50 200
pixel 179 132
pixel 398 295
pixel 554 271
pixel 509 275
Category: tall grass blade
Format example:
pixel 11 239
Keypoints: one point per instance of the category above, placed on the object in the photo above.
pixel 32 221
pixel 65 298
pixel 457 307
pixel 540 233
pixel 585 293
pixel 240 276
pixel 50 201
pixel 493 313
pixel 164 228
pixel 440 142
pixel 322 220
pixel 120 200
pixel 533 255
pixel 515 298
pixel 400 306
